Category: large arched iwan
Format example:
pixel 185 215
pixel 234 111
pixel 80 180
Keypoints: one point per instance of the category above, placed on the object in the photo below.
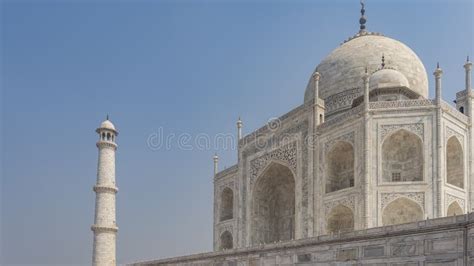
pixel 273 205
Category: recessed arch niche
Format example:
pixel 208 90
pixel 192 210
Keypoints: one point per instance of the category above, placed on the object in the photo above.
pixel 340 167
pixel 273 205
pixel 226 241
pixel 340 219
pixel 227 204
pixel 400 211
pixel 454 162
pixel 402 157
pixel 454 209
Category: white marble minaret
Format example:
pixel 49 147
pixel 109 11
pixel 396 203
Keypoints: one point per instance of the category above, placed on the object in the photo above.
pixel 104 227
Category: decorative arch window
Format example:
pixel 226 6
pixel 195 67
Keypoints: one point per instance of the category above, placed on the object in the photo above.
pixel 340 219
pixel 454 163
pixel 340 167
pixel 402 157
pixel 227 204
pixel 454 209
pixel 400 211
pixel 108 136
pixel 226 241
pixel 103 135
pixel 461 109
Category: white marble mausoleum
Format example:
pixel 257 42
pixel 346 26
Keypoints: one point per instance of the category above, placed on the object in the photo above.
pixel 368 170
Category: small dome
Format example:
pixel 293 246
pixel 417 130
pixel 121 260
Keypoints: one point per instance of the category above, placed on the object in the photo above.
pixel 388 78
pixel 107 125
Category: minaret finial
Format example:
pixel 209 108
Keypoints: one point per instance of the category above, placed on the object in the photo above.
pixel 383 61
pixel 362 19
pixel 239 129
pixel 107 118
pixel 438 73
pixel 216 160
pixel 468 58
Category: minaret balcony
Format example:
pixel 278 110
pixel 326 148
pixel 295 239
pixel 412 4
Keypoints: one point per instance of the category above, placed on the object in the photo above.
pixel 105 189
pixel 101 228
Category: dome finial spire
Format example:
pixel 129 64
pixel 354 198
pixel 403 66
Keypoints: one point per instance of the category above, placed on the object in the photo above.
pixel 362 19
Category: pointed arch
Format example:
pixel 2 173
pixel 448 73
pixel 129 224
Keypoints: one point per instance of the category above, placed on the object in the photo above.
pixel 400 211
pixel 340 219
pixel 227 204
pixel 226 241
pixel 273 205
pixel 454 209
pixel 454 162
pixel 340 167
pixel 402 157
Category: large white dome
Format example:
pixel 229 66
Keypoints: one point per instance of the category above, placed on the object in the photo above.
pixel 343 68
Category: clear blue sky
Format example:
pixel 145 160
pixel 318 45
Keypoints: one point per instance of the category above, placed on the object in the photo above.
pixel 184 66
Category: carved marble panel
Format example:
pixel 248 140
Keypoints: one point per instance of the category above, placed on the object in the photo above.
pixel 451 132
pixel 349 137
pixel 225 226
pixel 228 183
pixel 287 154
pixel 346 201
pixel 403 249
pixel 451 198
pixel 418 197
pixel 417 128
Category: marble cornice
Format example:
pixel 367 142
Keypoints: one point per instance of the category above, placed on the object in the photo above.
pixel 301 108
pixel 227 171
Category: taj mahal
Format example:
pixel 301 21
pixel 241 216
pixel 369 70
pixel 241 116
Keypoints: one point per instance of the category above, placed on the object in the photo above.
pixel 368 170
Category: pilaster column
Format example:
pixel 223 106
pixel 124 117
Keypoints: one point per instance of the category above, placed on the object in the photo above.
pixel 468 87
pixel 438 196
pixel 366 178
pixel 469 112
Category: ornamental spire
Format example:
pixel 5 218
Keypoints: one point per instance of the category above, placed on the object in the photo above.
pixel 438 73
pixel 362 19
pixel 239 129
pixel 216 160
